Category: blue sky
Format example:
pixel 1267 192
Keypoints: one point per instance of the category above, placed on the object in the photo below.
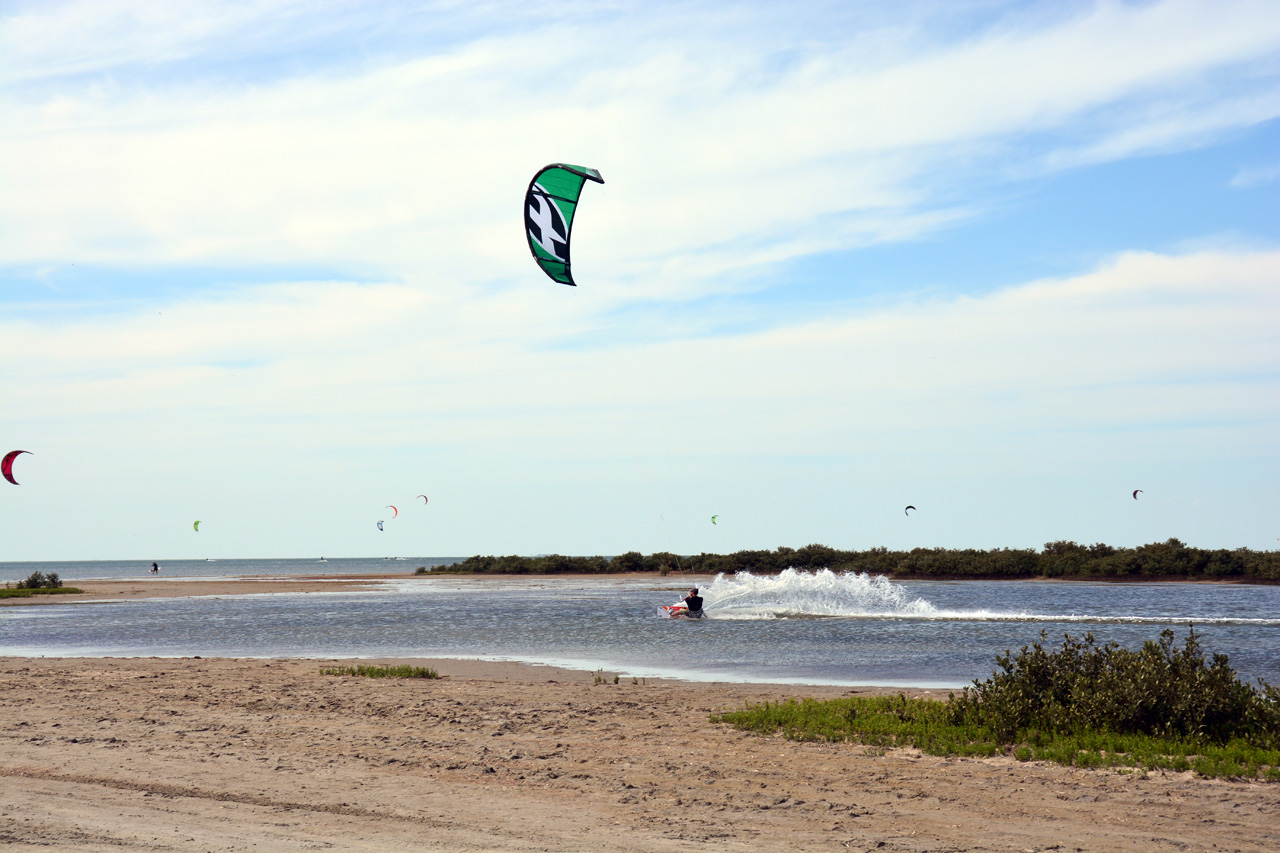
pixel 261 264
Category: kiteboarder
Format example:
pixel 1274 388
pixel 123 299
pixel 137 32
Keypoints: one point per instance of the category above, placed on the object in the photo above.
pixel 155 567
pixel 693 606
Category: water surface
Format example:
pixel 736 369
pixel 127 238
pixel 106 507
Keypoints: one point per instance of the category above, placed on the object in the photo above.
pixel 798 627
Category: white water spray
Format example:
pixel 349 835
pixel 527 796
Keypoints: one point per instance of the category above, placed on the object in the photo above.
pixel 798 594
pixel 822 593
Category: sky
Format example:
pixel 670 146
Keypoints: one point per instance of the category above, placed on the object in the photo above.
pixel 262 265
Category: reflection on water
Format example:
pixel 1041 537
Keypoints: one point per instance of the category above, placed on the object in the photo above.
pixel 823 628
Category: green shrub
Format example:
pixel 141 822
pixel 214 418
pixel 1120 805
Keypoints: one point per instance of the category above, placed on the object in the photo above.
pixel 1160 690
pixel 1161 708
pixel 39 580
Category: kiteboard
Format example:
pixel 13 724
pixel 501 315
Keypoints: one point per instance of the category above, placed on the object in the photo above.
pixel 680 609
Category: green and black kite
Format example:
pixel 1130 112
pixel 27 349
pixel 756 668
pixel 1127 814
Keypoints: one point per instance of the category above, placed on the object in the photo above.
pixel 549 206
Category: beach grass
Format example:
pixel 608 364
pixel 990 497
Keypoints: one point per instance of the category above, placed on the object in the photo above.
pixel 27 593
pixel 403 671
pixel 1084 705
pixel 926 724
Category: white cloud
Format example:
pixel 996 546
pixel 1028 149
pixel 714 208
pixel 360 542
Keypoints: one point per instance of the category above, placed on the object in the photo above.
pixel 348 391
pixel 716 161
pixel 1140 340
pixel 1256 176
pixel 48 40
pixel 726 149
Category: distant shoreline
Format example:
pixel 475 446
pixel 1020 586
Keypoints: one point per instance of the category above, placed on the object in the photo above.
pixel 146 586
pixel 1171 560
pixel 1230 581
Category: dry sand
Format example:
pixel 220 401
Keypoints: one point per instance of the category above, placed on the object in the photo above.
pixel 191 754
pixel 154 754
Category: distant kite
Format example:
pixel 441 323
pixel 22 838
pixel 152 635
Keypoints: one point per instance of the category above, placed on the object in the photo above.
pixel 424 499
pixel 1135 493
pixel 7 465
pixel 713 518
pixel 379 525
pixel 904 512
pixel 394 511
pixel 196 527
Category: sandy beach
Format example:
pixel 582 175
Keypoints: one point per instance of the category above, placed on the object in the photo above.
pixel 216 754
pixel 125 589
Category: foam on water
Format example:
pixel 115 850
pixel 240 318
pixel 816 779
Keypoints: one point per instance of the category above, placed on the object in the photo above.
pixel 848 595
pixel 823 593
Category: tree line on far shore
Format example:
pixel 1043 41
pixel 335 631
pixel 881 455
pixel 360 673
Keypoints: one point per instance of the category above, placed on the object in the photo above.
pixel 1061 560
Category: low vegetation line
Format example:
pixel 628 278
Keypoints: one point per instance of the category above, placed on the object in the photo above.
pixel 27 593
pixel 38 583
pixel 1160 708
pixel 403 671
pixel 1168 560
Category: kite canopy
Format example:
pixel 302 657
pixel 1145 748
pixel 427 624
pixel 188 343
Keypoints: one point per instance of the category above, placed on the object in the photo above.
pixel 713 518
pixel 904 512
pixel 1135 493
pixel 379 525
pixel 549 206
pixel 6 467
pixel 424 499
pixel 394 511
pixel 196 527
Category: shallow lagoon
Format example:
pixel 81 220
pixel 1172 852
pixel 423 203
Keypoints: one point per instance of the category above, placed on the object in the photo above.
pixel 799 627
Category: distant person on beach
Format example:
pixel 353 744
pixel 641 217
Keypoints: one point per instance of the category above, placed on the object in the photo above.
pixel 155 568
pixel 693 605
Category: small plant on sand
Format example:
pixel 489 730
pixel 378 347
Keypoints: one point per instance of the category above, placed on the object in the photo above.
pixel 38 583
pixel 403 671
pixel 28 593
pixel 39 580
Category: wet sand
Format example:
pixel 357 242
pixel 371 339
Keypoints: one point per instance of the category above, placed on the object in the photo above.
pixel 147 586
pixel 218 755
pixel 155 587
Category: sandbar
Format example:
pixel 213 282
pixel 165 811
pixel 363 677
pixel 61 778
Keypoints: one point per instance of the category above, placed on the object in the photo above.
pixel 147 586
